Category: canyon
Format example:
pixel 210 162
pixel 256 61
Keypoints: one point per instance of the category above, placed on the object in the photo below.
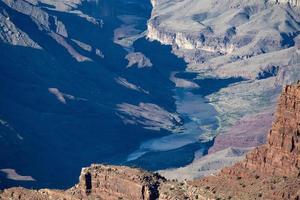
pixel 270 171
pixel 65 90
pixel 182 88
pixel 255 40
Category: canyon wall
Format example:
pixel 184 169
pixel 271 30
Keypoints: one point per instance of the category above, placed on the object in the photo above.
pixel 115 182
pixel 270 171
pixel 99 182
pixel 281 154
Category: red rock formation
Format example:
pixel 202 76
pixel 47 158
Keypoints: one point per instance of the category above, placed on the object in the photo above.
pixel 271 171
pixel 281 155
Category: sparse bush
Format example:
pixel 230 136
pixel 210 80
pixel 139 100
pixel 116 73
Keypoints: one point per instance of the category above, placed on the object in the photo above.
pixel 260 195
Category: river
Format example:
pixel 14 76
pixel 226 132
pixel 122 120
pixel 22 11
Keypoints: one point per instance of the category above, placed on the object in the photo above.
pixel 109 121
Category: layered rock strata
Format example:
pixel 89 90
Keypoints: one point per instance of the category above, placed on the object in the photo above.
pixel 99 182
pixel 281 155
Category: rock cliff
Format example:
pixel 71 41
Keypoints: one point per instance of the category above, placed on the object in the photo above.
pixel 281 155
pixel 105 182
pixel 99 182
pixel 270 171
pixel 292 2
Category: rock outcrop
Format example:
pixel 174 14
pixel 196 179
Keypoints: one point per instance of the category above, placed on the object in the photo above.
pixel 115 182
pixel 281 155
pixel 292 2
pixel 105 182
pixel 99 182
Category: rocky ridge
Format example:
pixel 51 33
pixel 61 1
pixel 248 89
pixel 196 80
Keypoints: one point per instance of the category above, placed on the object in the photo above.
pixel 47 23
pixel 292 2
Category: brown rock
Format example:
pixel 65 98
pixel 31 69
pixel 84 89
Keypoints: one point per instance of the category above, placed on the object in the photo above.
pixel 271 171
pixel 281 155
pixel 99 182
pixel 111 182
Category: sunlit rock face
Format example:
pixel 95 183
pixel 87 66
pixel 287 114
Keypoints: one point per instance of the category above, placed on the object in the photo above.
pixel 229 31
pixel 281 155
pixel 229 38
pixel 292 2
pixel 99 182
pixel 40 13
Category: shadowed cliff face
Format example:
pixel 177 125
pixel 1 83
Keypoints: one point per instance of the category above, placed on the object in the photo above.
pixel 60 94
pixel 82 85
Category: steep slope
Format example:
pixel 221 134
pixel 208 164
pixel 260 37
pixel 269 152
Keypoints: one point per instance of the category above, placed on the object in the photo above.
pixel 281 155
pixel 270 171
